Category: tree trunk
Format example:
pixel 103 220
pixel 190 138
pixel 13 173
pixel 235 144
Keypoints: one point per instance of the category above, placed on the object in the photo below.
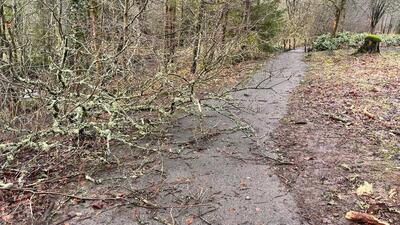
pixel 247 15
pixel 126 20
pixel 170 30
pixel 2 31
pixel 94 18
pixel 339 10
pixel 180 40
pixel 390 26
pixel 372 29
pixel 142 17
pixel 224 22
pixel 378 9
pixel 291 6
pixel 196 43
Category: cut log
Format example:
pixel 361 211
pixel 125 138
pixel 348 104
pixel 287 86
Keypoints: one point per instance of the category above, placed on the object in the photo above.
pixel 364 218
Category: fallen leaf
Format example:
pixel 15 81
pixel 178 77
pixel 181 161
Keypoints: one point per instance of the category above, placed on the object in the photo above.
pixel 118 195
pixel 7 218
pixel 376 89
pixel 89 178
pixel 332 202
pixel 189 220
pixel 5 185
pixel 243 185
pixel 365 189
pixel 368 114
pixel 76 201
pixel 345 166
pixel 392 193
pixel 98 205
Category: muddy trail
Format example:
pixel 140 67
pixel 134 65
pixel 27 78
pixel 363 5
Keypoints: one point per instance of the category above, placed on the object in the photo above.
pixel 219 169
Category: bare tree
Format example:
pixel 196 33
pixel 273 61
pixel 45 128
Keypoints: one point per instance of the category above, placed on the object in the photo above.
pixel 94 8
pixel 378 9
pixel 247 15
pixel 340 7
pixel 197 37
pixel 291 7
pixel 225 13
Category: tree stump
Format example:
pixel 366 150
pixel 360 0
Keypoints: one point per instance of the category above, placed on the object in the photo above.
pixel 371 45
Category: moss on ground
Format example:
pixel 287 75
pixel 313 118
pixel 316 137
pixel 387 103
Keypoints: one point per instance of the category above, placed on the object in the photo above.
pixel 374 38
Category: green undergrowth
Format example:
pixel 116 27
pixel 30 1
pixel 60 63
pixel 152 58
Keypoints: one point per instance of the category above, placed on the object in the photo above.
pixel 327 42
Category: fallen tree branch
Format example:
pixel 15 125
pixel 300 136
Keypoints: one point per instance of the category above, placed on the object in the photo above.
pixel 62 194
pixel 364 218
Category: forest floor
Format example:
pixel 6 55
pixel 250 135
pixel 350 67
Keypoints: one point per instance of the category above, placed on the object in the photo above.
pixel 342 134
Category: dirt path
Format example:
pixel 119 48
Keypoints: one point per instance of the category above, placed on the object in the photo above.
pixel 225 175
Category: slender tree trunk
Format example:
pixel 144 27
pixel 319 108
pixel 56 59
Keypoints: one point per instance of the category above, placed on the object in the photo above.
pixel 291 6
pixel 181 28
pixel 372 28
pixel 125 22
pixel 94 18
pixel 78 34
pixel 383 24
pixel 224 22
pixel 247 15
pixel 2 31
pixel 142 17
pixel 378 10
pixel 215 38
pixel 14 29
pixel 196 43
pixel 390 26
pixel 336 22
pixel 13 46
pixel 338 16
pixel 170 30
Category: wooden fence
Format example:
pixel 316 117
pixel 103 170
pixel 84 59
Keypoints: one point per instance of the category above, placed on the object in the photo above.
pixel 292 43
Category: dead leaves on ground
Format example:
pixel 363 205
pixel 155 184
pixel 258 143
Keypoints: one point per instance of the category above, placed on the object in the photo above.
pixel 356 99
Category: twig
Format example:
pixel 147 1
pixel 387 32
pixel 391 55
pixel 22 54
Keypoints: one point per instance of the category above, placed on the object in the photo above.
pixel 65 220
pixel 161 220
pixel 62 194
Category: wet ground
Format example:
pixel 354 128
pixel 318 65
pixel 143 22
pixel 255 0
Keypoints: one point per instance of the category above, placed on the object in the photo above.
pixel 223 173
